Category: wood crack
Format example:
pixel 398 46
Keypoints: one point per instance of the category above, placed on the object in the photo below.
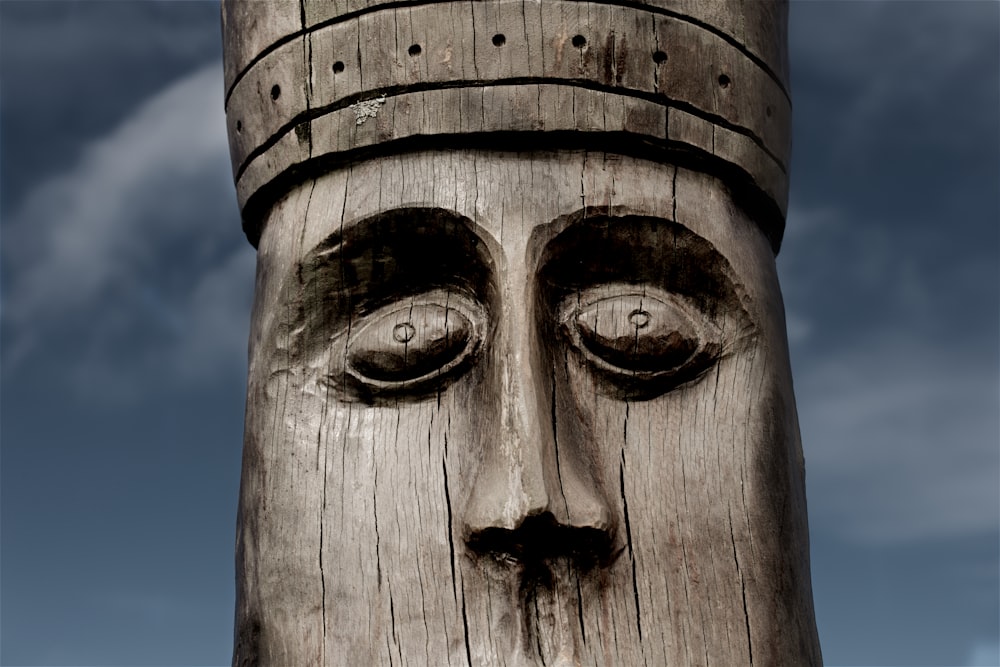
pixel 628 539
pixel 743 590
pixel 555 445
pixel 465 629
pixel 451 536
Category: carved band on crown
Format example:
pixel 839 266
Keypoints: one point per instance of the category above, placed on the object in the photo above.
pixel 333 82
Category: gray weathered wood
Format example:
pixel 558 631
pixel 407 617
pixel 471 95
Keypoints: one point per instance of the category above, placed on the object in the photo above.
pixel 519 390
pixel 633 72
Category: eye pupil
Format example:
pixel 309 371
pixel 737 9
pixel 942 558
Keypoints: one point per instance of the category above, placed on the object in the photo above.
pixel 410 348
pixel 639 318
pixel 403 332
pixel 635 338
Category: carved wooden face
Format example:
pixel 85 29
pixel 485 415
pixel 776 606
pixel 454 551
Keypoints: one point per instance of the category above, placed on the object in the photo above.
pixel 519 409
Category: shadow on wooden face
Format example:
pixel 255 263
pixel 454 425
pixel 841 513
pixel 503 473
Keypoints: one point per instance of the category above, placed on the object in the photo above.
pixel 519 409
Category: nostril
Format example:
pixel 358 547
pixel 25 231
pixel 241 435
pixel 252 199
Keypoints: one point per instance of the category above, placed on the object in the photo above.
pixel 542 538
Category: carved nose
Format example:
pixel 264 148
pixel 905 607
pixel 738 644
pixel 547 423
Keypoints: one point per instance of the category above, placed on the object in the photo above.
pixel 534 496
pixel 531 513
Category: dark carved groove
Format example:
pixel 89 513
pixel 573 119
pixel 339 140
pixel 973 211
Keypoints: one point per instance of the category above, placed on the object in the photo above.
pixel 759 206
pixel 426 86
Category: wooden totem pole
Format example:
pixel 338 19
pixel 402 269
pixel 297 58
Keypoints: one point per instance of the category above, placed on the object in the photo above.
pixel 519 390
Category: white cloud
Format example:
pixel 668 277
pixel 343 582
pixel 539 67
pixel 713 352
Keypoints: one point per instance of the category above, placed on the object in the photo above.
pixel 897 388
pixel 901 442
pixel 223 319
pixel 985 654
pixel 133 256
pixel 799 328
pixel 87 218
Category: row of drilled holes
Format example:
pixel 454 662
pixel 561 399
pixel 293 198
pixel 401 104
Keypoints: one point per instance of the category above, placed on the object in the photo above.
pixel 579 41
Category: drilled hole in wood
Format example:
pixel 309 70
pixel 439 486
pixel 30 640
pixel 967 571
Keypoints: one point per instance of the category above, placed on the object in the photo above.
pixel 338 67
pixel 275 92
pixel 579 41
pixel 403 333
pixel 639 318
pixel 659 57
pixel 499 40
pixel 239 126
pixel 414 50
pixel 724 81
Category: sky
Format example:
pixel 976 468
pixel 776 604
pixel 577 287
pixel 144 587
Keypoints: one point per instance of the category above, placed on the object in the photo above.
pixel 126 283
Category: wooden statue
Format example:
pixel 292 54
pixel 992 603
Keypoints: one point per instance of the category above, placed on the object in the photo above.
pixel 519 390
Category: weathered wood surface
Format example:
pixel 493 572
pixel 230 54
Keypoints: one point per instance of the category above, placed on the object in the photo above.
pixel 467 68
pixel 366 514
pixel 757 26
pixel 519 390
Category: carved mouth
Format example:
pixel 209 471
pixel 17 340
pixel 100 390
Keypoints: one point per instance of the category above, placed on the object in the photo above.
pixel 551 563
pixel 541 540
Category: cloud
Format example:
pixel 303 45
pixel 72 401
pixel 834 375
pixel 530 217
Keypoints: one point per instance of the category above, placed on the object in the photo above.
pixel 901 442
pixel 895 377
pixel 890 67
pixel 985 654
pixel 885 32
pixel 889 267
pixel 130 261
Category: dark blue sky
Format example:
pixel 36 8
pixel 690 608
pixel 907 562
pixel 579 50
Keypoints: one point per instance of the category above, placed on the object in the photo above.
pixel 126 285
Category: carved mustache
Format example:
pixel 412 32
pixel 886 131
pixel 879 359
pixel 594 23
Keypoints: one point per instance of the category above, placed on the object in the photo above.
pixel 540 539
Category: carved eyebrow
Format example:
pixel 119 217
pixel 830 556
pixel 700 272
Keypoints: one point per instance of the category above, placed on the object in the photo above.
pixel 637 249
pixel 385 258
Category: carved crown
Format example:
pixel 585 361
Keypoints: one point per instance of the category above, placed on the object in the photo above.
pixel 312 84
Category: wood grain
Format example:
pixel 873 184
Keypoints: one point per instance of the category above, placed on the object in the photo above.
pixel 551 68
pixel 518 389
pixel 528 510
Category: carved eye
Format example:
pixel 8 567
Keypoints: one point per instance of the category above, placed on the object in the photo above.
pixel 640 340
pixel 405 346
